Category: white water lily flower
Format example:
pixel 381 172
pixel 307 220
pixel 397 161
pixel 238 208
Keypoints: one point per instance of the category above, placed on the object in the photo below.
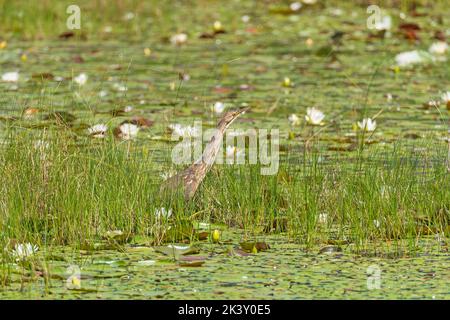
pixel 178 247
pixel 245 18
pixel 178 39
pixel 438 48
pixel 128 131
pixel 23 251
pixel 120 87
pixel 408 58
pixel 128 16
pixel 98 130
pixel 294 120
pixel 184 131
pixel 231 151
pixel 218 107
pixel 163 213
pixel 314 116
pixel 367 124
pixel 81 79
pixel 323 218
pixel 10 76
pixel 128 109
pixel 385 23
pixel 103 93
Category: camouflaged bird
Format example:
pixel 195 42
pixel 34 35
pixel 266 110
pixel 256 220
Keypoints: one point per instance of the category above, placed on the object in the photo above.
pixel 190 179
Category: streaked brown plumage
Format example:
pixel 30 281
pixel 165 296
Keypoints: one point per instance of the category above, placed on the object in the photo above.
pixel 190 179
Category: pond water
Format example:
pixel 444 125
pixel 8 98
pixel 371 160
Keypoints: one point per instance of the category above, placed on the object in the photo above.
pixel 348 79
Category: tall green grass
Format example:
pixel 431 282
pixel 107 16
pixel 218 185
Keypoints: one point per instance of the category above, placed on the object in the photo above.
pixel 54 191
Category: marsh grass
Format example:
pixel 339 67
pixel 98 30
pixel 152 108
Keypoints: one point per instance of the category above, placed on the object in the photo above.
pixel 58 191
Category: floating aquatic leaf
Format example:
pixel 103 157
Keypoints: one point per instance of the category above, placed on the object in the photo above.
pixel 117 236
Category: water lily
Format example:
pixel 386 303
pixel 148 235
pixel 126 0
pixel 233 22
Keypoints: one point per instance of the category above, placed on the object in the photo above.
pixel 184 131
pixel 231 151
pixel 245 18
pixel 385 23
pixel 218 107
pixel 146 263
pixel 120 87
pixel 128 16
pixel 295 6
pixel 408 58
pixel 128 131
pixel 376 223
pixel 179 39
pixel 215 235
pixel 287 82
pixel 98 130
pixel 168 174
pixel 438 48
pixel 10 76
pixel 24 251
pixel 81 79
pixel 314 116
pixel 367 124
pixel 294 120
pixel 163 213
pixel 446 98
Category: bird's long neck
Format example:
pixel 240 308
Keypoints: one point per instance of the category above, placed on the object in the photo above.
pixel 212 148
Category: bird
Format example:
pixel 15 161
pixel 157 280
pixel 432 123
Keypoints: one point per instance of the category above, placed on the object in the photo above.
pixel 190 178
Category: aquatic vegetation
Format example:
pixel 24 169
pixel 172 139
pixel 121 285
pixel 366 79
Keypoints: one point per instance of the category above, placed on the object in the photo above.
pixel 218 107
pixel 385 23
pixel 98 130
pixel 163 213
pixel 184 131
pixel 22 251
pixel 81 79
pixel 179 39
pixel 363 181
pixel 367 124
pixel 10 76
pixel 128 131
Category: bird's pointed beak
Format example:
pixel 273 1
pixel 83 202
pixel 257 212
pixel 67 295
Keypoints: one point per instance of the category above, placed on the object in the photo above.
pixel 242 110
